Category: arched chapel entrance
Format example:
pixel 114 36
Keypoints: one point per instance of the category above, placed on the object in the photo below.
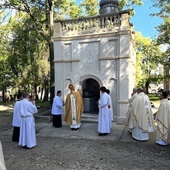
pixel 91 94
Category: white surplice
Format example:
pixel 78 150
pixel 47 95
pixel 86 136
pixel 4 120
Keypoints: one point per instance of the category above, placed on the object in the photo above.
pixel 57 106
pixel 143 117
pixel 27 129
pixel 16 117
pixel 104 117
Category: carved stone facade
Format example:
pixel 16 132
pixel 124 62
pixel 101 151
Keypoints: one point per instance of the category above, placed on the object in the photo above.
pixel 96 51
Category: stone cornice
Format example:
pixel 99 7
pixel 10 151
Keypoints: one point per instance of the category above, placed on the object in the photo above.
pixel 90 36
pixel 66 61
pixel 113 58
pixel 101 58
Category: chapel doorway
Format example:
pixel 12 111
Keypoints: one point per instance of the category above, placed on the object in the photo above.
pixel 91 95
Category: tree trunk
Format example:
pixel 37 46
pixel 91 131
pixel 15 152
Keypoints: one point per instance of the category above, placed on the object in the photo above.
pixel 46 91
pixel 35 88
pixel 52 84
pixel 3 96
pixel 42 90
pixel 147 86
pixel 51 48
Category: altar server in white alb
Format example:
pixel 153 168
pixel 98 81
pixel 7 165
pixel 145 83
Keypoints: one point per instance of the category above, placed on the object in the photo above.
pixel 16 119
pixel 142 113
pixel 57 110
pixel 163 120
pixel 104 117
pixel 27 129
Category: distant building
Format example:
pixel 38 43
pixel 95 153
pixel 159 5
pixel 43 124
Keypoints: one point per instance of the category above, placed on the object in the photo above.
pixel 161 70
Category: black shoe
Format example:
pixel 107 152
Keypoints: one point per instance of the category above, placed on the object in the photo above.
pixel 74 128
pixel 25 147
pixel 129 132
pixel 102 134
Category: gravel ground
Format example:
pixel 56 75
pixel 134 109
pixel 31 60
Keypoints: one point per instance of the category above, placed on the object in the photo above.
pixel 78 154
pixel 81 154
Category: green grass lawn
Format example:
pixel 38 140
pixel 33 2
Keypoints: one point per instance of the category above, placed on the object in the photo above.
pixel 153 97
pixel 43 104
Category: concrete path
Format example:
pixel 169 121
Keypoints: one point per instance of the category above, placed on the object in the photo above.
pixel 87 131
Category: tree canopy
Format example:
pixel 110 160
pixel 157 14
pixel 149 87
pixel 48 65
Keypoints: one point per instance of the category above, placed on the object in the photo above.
pixel 26 36
pixel 164 27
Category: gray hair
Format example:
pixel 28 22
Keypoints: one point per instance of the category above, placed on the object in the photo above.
pixel 135 88
pixel 25 94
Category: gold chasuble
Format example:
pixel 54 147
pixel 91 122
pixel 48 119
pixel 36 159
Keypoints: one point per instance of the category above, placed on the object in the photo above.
pixel 129 114
pixel 163 120
pixel 74 106
pixel 143 113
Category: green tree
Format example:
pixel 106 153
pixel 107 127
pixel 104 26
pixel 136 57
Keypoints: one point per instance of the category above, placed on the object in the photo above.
pixel 149 56
pixel 41 13
pixel 130 4
pixel 164 27
pixel 4 52
pixel 89 7
pixel 25 52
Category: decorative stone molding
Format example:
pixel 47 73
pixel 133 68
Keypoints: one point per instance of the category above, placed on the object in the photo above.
pixel 66 61
pixel 113 58
pixel 93 25
pixel 123 101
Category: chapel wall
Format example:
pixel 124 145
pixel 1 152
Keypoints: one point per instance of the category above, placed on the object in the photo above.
pixel 105 55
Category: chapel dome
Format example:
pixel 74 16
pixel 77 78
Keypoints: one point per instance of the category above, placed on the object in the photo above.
pixel 108 6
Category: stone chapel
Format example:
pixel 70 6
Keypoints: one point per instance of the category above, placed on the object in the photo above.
pixel 97 51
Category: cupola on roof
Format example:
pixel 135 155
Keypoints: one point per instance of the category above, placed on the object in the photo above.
pixel 108 6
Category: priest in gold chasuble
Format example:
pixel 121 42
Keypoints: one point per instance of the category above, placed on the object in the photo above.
pixel 143 117
pixel 74 107
pixel 163 121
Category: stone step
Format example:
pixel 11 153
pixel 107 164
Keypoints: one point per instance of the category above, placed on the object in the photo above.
pixel 47 117
pixel 89 117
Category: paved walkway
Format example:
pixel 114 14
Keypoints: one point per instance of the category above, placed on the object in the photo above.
pixel 87 131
